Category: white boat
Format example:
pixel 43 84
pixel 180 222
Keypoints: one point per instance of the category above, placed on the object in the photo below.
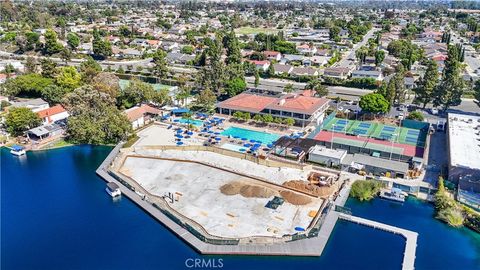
pixel 395 194
pixel 113 189
pixel 17 150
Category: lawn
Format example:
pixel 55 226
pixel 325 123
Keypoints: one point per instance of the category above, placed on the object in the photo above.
pixel 254 30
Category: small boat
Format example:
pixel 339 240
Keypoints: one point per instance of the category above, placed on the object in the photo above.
pixel 395 194
pixel 17 150
pixel 113 189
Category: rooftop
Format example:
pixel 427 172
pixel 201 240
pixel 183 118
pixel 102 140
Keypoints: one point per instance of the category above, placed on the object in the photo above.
pixel 464 140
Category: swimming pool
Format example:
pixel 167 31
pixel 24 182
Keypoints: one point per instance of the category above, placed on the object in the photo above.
pixel 265 138
pixel 234 147
pixel 191 121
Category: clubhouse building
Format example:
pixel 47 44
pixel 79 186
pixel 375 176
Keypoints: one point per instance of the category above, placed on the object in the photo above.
pixel 302 106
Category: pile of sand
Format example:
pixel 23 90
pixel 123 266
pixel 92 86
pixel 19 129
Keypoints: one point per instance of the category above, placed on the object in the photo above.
pixel 249 191
pixel 231 188
pixel 294 198
pixel 309 188
pixel 246 190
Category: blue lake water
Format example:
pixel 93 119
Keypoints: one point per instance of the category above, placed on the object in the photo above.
pixel 55 214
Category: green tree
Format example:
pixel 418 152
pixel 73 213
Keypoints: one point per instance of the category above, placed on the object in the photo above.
pixel 320 89
pixel 288 88
pixel 206 100
pixel 238 115
pixel 54 94
pixel 68 78
pixel 450 90
pixel 135 93
pixel 427 85
pixel 374 103
pixel 9 69
pixel 416 115
pixel 94 118
pixel 89 69
pixel 271 70
pixel 289 121
pixel 31 85
pixel 268 118
pixel 30 65
pixel 257 118
pixel 21 119
pixel 235 87
pixel 257 78
pixel 379 57
pixel 51 44
pixel 48 67
pixel 73 41
pixel 187 49
pixel 233 49
pixel 107 82
pixel 159 59
pixel 101 47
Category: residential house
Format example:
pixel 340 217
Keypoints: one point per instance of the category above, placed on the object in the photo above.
pixel 141 115
pixel 371 74
pixel 35 105
pixel 304 71
pixel 287 58
pixel 272 55
pixel 179 58
pixel 282 69
pixel 306 49
pixel 337 72
pixel 53 114
pixel 260 64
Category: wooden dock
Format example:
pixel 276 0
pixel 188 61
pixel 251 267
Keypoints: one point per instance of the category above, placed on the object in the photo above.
pixel 411 237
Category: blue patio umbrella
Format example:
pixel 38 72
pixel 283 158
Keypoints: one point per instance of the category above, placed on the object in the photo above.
pixel 242 149
pixel 247 145
pixel 218 138
pixel 179 143
pixel 252 141
pixel 269 145
pixel 236 137
pixel 176 120
pixel 190 133
pixel 217 133
pixel 179 136
pixel 257 145
pixel 244 139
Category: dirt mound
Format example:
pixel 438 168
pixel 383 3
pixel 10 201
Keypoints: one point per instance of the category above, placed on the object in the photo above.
pixel 294 198
pixel 232 188
pixel 307 187
pixel 247 191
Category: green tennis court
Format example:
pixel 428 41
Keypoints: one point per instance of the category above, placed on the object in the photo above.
pixel 375 130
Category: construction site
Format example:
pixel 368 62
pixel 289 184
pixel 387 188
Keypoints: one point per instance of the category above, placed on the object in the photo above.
pixel 226 195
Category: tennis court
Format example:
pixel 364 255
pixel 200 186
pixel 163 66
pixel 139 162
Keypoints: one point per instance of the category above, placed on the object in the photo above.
pixel 402 135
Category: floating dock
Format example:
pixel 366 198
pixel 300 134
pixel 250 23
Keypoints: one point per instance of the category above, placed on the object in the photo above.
pixel 411 237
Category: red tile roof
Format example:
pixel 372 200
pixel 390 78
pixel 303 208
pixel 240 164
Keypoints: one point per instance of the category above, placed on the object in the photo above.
pixel 57 109
pixel 270 53
pixel 298 104
pixel 247 102
pixel 138 112
pixel 259 62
